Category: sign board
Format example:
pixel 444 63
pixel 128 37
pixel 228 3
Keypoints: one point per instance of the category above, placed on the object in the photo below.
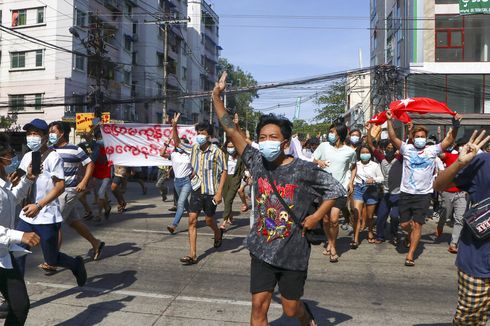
pixel 106 117
pixel 137 144
pixel 472 7
pixel 84 122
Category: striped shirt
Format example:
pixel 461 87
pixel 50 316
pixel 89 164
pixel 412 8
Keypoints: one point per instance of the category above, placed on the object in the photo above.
pixel 208 165
pixel 72 156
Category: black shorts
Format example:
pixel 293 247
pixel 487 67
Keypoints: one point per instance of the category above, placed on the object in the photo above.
pixel 264 277
pixel 340 203
pixel 414 207
pixel 200 202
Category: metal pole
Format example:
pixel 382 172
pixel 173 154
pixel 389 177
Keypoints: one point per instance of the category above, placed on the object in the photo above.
pixel 165 63
pixel 211 111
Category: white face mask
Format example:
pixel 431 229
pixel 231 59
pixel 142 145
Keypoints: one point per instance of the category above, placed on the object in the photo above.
pixel 34 143
pixel 231 150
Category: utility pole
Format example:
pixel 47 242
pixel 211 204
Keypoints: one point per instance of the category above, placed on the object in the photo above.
pixel 164 24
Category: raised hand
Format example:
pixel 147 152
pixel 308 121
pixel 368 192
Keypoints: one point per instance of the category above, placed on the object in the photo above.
pixel 175 119
pixel 220 85
pixel 470 149
pixel 389 115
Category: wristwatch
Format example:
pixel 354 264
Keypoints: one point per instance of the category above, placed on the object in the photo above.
pixel 38 206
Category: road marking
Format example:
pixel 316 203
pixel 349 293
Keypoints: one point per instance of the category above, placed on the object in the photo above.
pixel 229 235
pixel 152 295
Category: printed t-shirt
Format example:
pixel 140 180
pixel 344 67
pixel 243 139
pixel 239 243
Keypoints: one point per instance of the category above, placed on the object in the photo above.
pixel 418 168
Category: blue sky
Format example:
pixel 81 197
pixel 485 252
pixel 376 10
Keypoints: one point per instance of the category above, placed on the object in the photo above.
pixel 278 40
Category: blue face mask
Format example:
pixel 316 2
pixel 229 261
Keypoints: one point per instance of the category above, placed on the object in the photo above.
pixel 34 143
pixel 14 164
pixel 354 140
pixel 365 157
pixel 420 142
pixel 201 139
pixel 53 138
pixel 270 149
pixel 332 138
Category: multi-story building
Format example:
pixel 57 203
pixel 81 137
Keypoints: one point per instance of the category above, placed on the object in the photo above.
pixel 440 53
pixel 203 47
pixel 39 79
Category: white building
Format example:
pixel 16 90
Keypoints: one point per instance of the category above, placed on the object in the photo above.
pixel 39 81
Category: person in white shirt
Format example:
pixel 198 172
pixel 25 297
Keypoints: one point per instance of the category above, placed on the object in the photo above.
pixel 12 285
pixel 417 177
pixel 43 214
pixel 340 160
pixel 181 164
pixel 368 176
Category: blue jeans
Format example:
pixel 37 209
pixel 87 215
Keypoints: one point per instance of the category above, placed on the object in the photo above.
pixel 49 245
pixel 183 188
pixel 387 206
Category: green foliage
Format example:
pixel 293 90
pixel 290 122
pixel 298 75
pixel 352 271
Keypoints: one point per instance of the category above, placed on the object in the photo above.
pixel 240 103
pixel 303 128
pixel 332 104
pixel 6 122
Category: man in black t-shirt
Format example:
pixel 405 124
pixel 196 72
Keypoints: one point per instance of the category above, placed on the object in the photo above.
pixel 279 251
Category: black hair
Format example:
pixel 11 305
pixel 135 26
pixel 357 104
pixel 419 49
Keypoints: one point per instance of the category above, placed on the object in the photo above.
pixel 4 143
pixel 354 130
pixel 205 126
pixel 97 132
pixel 359 151
pixel 341 129
pixel 314 141
pixel 62 127
pixel 283 123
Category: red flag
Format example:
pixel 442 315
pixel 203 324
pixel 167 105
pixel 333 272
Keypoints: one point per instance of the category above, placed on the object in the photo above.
pixel 420 105
pixel 381 118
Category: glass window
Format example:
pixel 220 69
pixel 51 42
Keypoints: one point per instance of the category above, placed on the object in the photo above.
pixel 476 38
pixel 16 102
pixel 443 2
pixel 79 62
pixel 80 18
pixel 127 77
pixel 449 21
pixel 38 99
pixel 40 15
pixel 18 60
pixel 442 38
pixel 19 17
pixel 127 42
pixel 449 38
pixel 432 86
pixel 457 38
pixel 39 58
pixel 465 93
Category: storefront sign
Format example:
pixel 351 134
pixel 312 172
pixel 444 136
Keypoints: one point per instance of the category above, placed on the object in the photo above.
pixel 471 7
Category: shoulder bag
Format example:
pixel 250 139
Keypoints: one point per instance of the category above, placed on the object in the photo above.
pixel 477 218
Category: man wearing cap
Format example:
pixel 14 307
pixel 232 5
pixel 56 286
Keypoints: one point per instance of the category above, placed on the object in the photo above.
pixel 42 214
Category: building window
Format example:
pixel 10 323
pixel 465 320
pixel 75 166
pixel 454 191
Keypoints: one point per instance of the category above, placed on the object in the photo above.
pixel 39 58
pixel 133 57
pixel 127 77
pixel 80 18
pixel 449 38
pixel 40 15
pixel 38 100
pixel 17 60
pixel 16 102
pixel 79 62
pixel 184 73
pixel 19 17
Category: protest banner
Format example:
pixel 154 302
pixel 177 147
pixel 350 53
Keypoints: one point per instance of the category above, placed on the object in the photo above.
pixel 136 144
pixel 84 121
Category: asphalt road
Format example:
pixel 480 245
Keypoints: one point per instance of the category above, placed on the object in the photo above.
pixel 140 281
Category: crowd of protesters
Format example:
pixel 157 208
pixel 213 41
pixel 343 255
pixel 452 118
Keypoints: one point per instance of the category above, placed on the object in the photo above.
pixel 344 178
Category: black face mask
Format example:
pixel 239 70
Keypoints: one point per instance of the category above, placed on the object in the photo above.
pixel 390 155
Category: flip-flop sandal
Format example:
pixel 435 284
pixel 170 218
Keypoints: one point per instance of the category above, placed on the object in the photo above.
pixel 409 263
pixel 326 252
pixel 244 208
pixel 354 245
pixel 218 242
pixel 99 250
pixel 334 258
pixel 48 269
pixel 310 318
pixel 188 260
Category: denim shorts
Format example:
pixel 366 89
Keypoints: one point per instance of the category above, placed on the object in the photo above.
pixel 366 193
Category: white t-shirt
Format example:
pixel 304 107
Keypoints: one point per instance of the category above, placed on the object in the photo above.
pixel 418 168
pixel 51 167
pixel 231 165
pixel 181 163
pixel 366 171
pixel 339 161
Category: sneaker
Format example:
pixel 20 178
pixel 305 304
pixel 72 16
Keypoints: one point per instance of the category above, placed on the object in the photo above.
pixel 88 216
pixel 80 272
pixel 171 229
pixel 173 209
pixel 453 249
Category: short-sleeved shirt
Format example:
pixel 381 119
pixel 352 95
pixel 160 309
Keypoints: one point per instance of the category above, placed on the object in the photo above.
pixel 181 164
pixel 392 172
pixel 418 168
pixel 340 161
pixel 52 167
pixel 473 254
pixel 208 165
pixel 72 156
pixel 276 237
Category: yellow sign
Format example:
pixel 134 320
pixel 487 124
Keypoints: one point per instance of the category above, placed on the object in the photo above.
pixel 106 117
pixel 84 122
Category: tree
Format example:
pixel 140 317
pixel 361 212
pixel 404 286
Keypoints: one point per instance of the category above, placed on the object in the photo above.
pixel 240 103
pixel 332 104
pixel 6 122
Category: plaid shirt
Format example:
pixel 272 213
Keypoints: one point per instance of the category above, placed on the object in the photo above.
pixel 208 165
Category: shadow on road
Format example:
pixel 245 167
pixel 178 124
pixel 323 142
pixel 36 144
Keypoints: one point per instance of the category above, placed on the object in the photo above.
pixel 323 317
pixel 121 249
pixel 436 324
